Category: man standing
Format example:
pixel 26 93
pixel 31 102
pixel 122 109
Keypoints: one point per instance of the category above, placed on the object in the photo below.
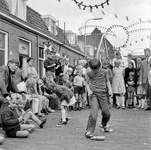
pixel 128 59
pixel 145 68
pixel 6 82
pixel 49 65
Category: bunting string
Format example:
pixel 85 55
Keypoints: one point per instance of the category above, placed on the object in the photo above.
pixel 81 5
pixel 137 23
pixel 94 26
pixel 141 29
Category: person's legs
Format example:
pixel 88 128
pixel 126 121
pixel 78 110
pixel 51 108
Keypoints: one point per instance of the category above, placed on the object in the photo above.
pixel 63 113
pixel 117 101
pixel 122 101
pixel 41 104
pixel 31 115
pixel 22 134
pixel 105 109
pixel 28 127
pixel 93 114
pixel 35 105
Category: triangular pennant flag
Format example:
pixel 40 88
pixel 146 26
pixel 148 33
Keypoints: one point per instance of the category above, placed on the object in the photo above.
pixel 115 15
pixel 127 18
pixel 103 13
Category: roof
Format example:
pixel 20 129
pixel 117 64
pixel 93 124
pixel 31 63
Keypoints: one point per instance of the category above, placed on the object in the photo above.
pixel 92 40
pixel 35 19
pixel 4 5
pixel 60 35
pixel 96 31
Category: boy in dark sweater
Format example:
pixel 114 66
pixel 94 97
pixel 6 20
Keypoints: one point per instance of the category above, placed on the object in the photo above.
pixel 11 122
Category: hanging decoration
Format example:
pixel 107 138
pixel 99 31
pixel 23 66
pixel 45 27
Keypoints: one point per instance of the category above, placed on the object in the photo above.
pixel 81 5
pixel 121 27
pixel 137 23
pixel 94 26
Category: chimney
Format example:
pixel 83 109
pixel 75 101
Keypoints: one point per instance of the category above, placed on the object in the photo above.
pixel 18 8
pixel 50 22
pixel 71 37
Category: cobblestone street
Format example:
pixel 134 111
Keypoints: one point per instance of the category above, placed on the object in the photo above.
pixel 132 131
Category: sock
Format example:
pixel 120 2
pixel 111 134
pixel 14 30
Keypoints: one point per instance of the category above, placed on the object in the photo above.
pixel 63 113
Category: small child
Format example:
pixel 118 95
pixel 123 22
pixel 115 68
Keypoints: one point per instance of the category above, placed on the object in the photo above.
pixel 11 123
pixel 66 98
pixel 28 114
pixel 118 85
pixel 79 89
pixel 97 82
pixel 130 89
pixel 66 81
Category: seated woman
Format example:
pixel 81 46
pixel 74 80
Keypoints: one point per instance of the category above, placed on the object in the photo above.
pixel 38 102
pixel 11 123
pixel 42 93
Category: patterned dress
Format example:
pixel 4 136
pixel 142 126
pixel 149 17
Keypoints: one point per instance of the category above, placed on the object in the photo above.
pixel 118 85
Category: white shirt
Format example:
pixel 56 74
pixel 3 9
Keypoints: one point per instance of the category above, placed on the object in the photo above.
pixel 126 61
pixel 78 80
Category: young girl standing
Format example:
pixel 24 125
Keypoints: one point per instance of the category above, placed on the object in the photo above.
pixel 118 85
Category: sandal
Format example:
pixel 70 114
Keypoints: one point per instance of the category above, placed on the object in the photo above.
pixel 88 134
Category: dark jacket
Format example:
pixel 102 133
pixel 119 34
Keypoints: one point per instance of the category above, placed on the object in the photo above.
pixel 6 82
pixel 50 62
pixel 63 93
pixel 127 73
pixel 9 119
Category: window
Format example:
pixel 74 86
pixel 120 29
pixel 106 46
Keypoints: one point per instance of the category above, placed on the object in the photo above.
pixel 24 53
pixel 3 48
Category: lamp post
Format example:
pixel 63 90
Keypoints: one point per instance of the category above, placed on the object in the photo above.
pixel 85 32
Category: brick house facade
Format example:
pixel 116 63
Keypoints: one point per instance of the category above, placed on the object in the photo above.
pixel 23 38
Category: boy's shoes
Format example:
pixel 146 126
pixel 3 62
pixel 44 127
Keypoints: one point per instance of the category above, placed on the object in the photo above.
pixel 50 110
pixel 88 134
pixel 118 107
pixel 42 123
pixel 67 119
pixel 106 129
pixel 123 107
pixel 62 123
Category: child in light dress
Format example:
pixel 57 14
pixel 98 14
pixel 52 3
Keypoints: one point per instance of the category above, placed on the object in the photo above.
pixel 118 85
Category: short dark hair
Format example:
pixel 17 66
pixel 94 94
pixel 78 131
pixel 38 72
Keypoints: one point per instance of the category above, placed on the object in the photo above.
pixel 147 49
pixel 29 59
pixel 13 61
pixel 94 63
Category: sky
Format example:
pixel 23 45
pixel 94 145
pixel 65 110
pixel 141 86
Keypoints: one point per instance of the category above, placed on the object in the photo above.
pixel 67 11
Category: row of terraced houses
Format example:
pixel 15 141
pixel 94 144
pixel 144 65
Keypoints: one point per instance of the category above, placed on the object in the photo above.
pixel 23 32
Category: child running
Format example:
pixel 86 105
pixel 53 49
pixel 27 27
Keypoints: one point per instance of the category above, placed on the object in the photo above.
pixel 66 98
pixel 97 83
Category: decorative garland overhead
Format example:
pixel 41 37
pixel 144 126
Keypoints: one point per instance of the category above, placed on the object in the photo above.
pixel 137 23
pixel 83 6
pixel 124 29
pixel 94 26
pixel 141 29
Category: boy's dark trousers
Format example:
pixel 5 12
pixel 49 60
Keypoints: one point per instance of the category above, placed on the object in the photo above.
pixel 98 100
